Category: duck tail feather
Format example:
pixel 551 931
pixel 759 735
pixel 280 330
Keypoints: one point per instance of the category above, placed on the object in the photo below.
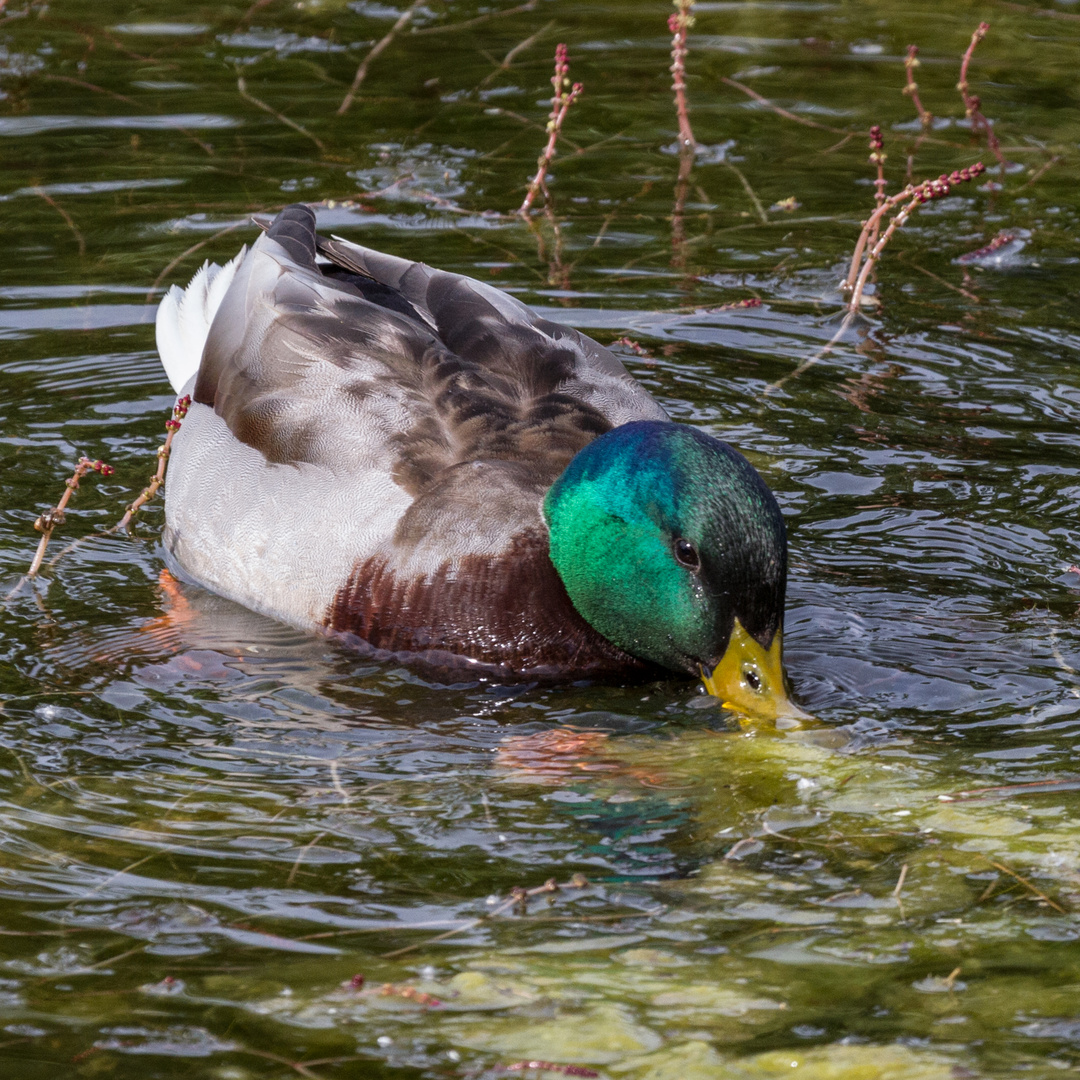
pixel 184 317
pixel 294 230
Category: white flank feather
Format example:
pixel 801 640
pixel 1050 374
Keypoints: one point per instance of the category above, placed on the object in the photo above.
pixel 184 317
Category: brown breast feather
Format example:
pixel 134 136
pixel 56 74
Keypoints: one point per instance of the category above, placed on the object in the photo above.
pixel 507 616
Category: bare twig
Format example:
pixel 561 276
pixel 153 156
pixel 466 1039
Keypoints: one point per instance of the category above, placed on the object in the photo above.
pixel 911 87
pixel 54 517
pixel 190 251
pixel 241 85
pixel 966 293
pixel 518 897
pixel 1038 173
pixel 972 104
pixel 172 425
pixel 900 883
pixel 679 23
pixel 467 23
pixel 779 111
pixel 204 146
pixel 547 1066
pixel 758 208
pixel 79 238
pixel 736 848
pixel 251 12
pixel 1027 884
pixel 565 95
pixel 84 85
pixel 838 145
pixel 1008 791
pixel 514 53
pixel 376 49
pixel 300 858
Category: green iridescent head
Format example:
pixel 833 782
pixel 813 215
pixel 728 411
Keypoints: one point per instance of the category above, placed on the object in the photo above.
pixel 672 547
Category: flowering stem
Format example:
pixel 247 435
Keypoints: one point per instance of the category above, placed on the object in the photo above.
pixel 172 426
pixel 54 517
pixel 565 96
pixel 972 104
pixel 915 196
pixel 872 225
pixel 679 24
pixel 911 88
pixel 877 157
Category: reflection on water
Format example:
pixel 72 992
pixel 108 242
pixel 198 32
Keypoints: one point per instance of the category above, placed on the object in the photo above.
pixel 232 850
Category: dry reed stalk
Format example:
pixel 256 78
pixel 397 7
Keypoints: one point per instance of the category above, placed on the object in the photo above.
pixel 172 426
pixel 54 517
pixel 565 95
pixel 679 24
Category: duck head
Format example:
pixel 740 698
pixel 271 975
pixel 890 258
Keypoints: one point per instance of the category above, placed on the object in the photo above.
pixel 672 547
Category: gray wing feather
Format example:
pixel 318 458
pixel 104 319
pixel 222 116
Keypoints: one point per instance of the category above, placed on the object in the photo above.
pixel 458 308
pixel 390 375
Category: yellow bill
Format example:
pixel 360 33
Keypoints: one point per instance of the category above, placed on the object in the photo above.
pixel 750 680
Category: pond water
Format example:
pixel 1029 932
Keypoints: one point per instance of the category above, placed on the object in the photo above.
pixel 232 850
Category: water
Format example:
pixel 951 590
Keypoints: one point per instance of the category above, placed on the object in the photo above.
pixel 231 850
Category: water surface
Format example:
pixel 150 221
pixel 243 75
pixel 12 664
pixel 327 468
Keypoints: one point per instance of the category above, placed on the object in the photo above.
pixel 231 850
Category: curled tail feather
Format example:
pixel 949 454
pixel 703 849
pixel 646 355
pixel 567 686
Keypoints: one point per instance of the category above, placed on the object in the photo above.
pixel 184 317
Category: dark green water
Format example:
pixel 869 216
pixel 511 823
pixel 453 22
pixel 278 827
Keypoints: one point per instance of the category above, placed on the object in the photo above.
pixel 210 823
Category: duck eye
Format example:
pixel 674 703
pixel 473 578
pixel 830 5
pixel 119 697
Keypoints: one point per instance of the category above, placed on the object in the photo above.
pixel 752 679
pixel 687 554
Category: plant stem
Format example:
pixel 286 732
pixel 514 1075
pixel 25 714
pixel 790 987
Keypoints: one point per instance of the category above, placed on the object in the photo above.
pixel 679 24
pixel 563 98
pixel 172 425
pixel 972 104
pixel 911 87
pixel 54 517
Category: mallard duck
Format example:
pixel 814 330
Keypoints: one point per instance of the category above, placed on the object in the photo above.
pixel 417 463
